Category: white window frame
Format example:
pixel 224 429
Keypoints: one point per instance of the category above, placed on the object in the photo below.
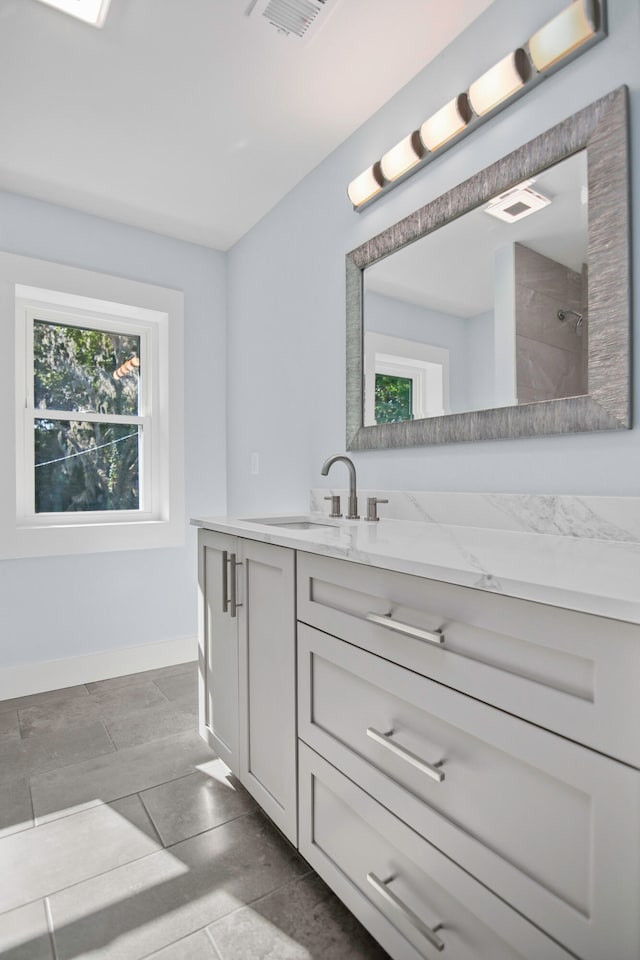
pixel 425 365
pixel 45 291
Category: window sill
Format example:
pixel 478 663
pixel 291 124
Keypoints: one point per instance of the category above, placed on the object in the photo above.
pixel 39 540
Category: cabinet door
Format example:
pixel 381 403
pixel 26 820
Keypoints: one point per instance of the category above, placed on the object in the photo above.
pixel 267 681
pixel 218 643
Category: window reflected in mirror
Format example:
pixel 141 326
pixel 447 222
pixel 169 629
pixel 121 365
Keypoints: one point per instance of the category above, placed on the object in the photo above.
pixel 489 311
pixel 404 379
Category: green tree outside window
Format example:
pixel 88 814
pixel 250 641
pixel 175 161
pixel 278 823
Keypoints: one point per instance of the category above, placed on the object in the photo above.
pixel 83 464
pixel 393 398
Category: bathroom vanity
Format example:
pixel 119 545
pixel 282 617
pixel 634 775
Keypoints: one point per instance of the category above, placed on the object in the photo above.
pixel 454 752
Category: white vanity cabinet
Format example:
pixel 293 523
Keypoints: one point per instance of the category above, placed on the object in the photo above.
pixel 247 667
pixel 467 764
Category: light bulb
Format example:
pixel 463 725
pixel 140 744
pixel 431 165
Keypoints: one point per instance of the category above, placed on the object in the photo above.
pixel 562 35
pixel 500 82
pixel 402 157
pixel 447 123
pixel 365 186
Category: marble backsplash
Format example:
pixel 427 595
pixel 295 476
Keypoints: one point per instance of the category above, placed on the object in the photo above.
pixel 592 518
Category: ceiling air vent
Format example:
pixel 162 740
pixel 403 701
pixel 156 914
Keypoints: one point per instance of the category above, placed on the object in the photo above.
pixel 519 202
pixel 292 18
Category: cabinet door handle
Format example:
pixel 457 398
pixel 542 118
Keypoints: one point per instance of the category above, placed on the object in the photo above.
pixel 233 563
pixel 384 739
pixel 430 636
pixel 429 933
pixel 225 585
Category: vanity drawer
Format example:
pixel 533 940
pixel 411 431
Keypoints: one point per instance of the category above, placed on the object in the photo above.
pixel 570 672
pixel 550 826
pixel 351 841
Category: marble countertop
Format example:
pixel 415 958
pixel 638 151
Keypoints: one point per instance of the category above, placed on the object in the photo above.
pixel 591 575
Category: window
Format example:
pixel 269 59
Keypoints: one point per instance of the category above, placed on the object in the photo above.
pixel 403 379
pixel 97 413
pixel 86 415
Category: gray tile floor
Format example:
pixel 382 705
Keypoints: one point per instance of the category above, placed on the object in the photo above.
pixel 122 837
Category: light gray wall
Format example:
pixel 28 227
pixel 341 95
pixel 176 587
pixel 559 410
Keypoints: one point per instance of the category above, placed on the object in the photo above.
pixel 481 373
pixel 56 607
pixel 397 318
pixel 286 288
pixel 504 336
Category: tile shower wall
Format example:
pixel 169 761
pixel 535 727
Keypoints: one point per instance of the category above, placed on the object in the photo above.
pixel 550 353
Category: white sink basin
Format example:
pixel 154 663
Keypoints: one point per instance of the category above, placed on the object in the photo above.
pixel 291 523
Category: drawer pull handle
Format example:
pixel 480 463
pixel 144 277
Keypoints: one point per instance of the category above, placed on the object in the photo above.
pixel 429 933
pixel 233 563
pixel 225 583
pixel 430 636
pixel 384 739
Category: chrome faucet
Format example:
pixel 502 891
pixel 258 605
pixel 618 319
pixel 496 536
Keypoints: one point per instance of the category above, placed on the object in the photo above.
pixel 352 513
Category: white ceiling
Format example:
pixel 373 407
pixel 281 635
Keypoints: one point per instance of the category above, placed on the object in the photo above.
pixel 189 118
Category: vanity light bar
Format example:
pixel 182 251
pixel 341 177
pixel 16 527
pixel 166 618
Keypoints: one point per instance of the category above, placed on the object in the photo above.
pixel 560 41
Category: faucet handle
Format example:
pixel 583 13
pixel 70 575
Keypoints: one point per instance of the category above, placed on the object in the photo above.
pixel 335 505
pixel 372 508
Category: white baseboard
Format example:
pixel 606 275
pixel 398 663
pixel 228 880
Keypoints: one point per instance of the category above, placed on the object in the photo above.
pixel 30 678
